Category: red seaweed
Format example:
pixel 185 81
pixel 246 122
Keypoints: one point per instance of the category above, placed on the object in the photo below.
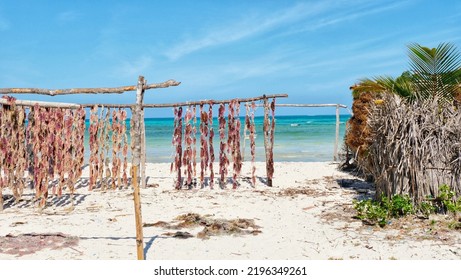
pixel 210 144
pixel 204 156
pixel 223 160
pixel 187 155
pixel 177 139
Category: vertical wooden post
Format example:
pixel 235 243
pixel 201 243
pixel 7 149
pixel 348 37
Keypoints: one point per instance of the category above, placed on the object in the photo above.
pixel 335 153
pixel 267 144
pixel 137 151
pixel 143 150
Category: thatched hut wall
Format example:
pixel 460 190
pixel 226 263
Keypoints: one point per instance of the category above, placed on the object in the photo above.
pixel 415 147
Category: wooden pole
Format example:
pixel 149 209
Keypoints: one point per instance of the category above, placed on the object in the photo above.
pixel 266 141
pixel 137 150
pixel 191 103
pixel 310 105
pixel 143 150
pixel 335 155
pixel 29 103
pixel 102 90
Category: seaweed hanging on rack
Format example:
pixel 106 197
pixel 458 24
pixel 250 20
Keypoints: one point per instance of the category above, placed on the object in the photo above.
pixel 233 140
pixel 94 147
pixel 250 126
pixel 223 160
pixel 123 116
pixel 187 154
pixel 105 152
pixel 116 147
pixel 204 156
pixel 194 141
pixel 210 143
pixel 12 148
pixel 59 152
pixel 177 139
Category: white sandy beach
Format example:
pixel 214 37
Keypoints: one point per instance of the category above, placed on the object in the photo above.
pixel 308 214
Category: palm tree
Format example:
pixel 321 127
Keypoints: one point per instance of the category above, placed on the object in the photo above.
pixel 437 71
pixel 433 73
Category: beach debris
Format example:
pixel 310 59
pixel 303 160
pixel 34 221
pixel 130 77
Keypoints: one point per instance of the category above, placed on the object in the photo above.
pixel 179 234
pixel 30 243
pixel 211 227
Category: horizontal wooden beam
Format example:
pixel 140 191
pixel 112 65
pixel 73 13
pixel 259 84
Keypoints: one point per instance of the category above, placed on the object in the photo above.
pixel 165 105
pixel 28 103
pixel 192 103
pixel 54 92
pixel 311 105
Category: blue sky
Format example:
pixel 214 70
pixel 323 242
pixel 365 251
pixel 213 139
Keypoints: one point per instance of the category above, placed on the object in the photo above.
pixel 311 50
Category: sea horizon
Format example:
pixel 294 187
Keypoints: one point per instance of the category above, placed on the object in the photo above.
pixel 299 138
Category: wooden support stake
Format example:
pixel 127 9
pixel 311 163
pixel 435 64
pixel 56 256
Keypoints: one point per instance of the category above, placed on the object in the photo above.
pixel 143 150
pixel 137 151
pixel 138 216
pixel 267 147
pixel 335 155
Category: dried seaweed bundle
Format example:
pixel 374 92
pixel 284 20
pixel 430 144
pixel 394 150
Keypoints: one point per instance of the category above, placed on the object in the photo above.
pixel 187 154
pixel 116 148
pixel 123 116
pixel 78 140
pixel 94 147
pixel 204 156
pixel 250 126
pixel 233 140
pixel 210 144
pixel 223 160
pixel 177 144
pixel 104 139
pixel 194 140
pixel 67 149
pixel 12 148
pixel 59 152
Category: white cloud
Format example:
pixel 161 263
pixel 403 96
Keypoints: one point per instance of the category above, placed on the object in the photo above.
pixel 67 16
pixel 4 24
pixel 246 27
pixel 346 14
pixel 134 68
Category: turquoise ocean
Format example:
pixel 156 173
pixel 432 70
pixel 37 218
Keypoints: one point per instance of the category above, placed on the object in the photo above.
pixel 297 138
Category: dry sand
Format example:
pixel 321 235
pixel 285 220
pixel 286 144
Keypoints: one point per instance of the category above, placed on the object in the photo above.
pixel 308 214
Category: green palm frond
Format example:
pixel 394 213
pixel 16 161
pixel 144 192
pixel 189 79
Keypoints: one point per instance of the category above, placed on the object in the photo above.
pixel 436 71
pixel 402 86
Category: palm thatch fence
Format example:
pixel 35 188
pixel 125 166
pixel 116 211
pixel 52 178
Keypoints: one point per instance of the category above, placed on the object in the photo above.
pixel 415 147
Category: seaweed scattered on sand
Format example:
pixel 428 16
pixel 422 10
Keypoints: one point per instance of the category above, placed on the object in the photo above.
pixel 29 243
pixel 211 227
